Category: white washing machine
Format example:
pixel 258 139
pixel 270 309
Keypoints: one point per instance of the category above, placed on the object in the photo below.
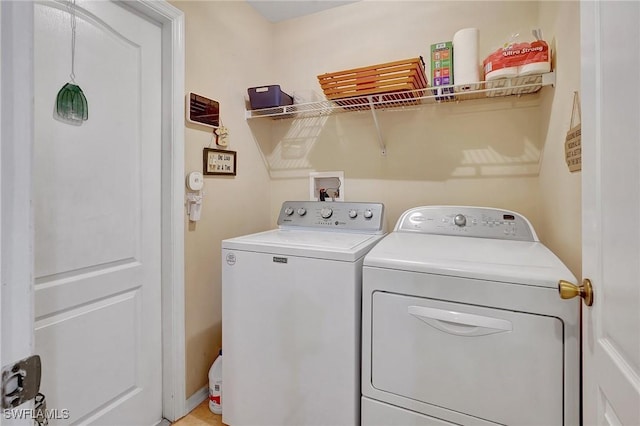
pixel 463 324
pixel 291 316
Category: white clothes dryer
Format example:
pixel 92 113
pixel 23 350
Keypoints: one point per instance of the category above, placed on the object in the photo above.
pixel 291 316
pixel 463 324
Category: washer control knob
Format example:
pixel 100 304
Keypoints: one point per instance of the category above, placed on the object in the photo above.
pixel 288 211
pixel 353 213
pixel 302 211
pixel 460 220
pixel 368 214
pixel 326 212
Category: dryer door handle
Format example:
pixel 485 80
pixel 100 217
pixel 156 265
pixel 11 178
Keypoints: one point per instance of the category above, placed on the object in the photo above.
pixel 460 323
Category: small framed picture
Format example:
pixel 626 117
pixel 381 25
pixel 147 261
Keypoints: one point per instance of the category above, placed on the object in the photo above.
pixel 219 162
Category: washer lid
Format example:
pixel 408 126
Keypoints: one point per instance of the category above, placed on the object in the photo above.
pixel 520 262
pixel 344 246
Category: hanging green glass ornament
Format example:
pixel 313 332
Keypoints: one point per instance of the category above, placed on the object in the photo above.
pixel 71 103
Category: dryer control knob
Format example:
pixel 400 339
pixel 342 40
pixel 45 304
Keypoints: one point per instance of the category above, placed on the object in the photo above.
pixel 368 214
pixel 460 220
pixel 353 213
pixel 288 211
pixel 326 212
pixel 302 211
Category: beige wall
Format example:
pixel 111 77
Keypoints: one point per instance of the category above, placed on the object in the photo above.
pixel 228 48
pixel 560 191
pixel 504 152
pixel 480 153
pixel 485 153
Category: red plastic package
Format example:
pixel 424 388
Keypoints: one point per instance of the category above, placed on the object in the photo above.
pixel 517 54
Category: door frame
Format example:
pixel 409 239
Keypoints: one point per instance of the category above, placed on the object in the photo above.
pixel 16 128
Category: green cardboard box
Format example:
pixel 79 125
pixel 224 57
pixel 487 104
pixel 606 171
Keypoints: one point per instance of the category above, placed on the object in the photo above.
pixel 442 66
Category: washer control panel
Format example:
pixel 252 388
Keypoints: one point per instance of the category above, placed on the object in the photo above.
pixel 480 222
pixel 348 216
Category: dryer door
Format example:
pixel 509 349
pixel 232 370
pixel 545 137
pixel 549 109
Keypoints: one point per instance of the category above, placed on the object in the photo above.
pixel 498 365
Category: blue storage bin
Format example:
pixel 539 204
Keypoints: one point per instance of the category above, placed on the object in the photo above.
pixel 268 97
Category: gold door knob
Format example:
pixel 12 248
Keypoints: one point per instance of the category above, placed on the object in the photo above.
pixel 569 290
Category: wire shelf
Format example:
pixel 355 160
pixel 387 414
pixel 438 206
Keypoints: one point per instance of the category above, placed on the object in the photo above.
pixel 517 86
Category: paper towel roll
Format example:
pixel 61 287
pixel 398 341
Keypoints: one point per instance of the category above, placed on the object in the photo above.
pixel 534 68
pixel 466 68
pixel 508 72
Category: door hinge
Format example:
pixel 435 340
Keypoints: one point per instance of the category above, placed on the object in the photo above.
pixel 21 381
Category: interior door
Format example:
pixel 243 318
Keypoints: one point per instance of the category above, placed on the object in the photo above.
pixel 16 94
pixel 97 210
pixel 611 211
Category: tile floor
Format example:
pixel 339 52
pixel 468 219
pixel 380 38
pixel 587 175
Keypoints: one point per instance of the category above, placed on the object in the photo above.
pixel 200 416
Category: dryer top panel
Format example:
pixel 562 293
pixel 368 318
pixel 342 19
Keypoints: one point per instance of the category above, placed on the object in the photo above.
pixel 519 262
pixel 463 221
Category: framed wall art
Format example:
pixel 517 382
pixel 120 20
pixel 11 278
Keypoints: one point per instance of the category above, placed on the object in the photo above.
pixel 202 110
pixel 219 162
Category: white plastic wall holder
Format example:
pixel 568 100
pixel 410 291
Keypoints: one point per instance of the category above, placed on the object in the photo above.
pixel 194 205
pixel 326 186
pixel 195 183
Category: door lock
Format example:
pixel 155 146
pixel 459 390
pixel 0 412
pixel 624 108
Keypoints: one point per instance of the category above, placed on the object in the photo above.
pixel 21 381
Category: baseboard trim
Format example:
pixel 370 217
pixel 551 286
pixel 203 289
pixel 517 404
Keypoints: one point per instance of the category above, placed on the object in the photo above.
pixel 196 399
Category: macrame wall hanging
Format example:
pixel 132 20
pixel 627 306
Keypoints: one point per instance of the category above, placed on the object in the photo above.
pixel 573 141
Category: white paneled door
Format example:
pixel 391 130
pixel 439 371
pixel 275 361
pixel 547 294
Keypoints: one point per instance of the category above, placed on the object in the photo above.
pixel 97 213
pixel 611 211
